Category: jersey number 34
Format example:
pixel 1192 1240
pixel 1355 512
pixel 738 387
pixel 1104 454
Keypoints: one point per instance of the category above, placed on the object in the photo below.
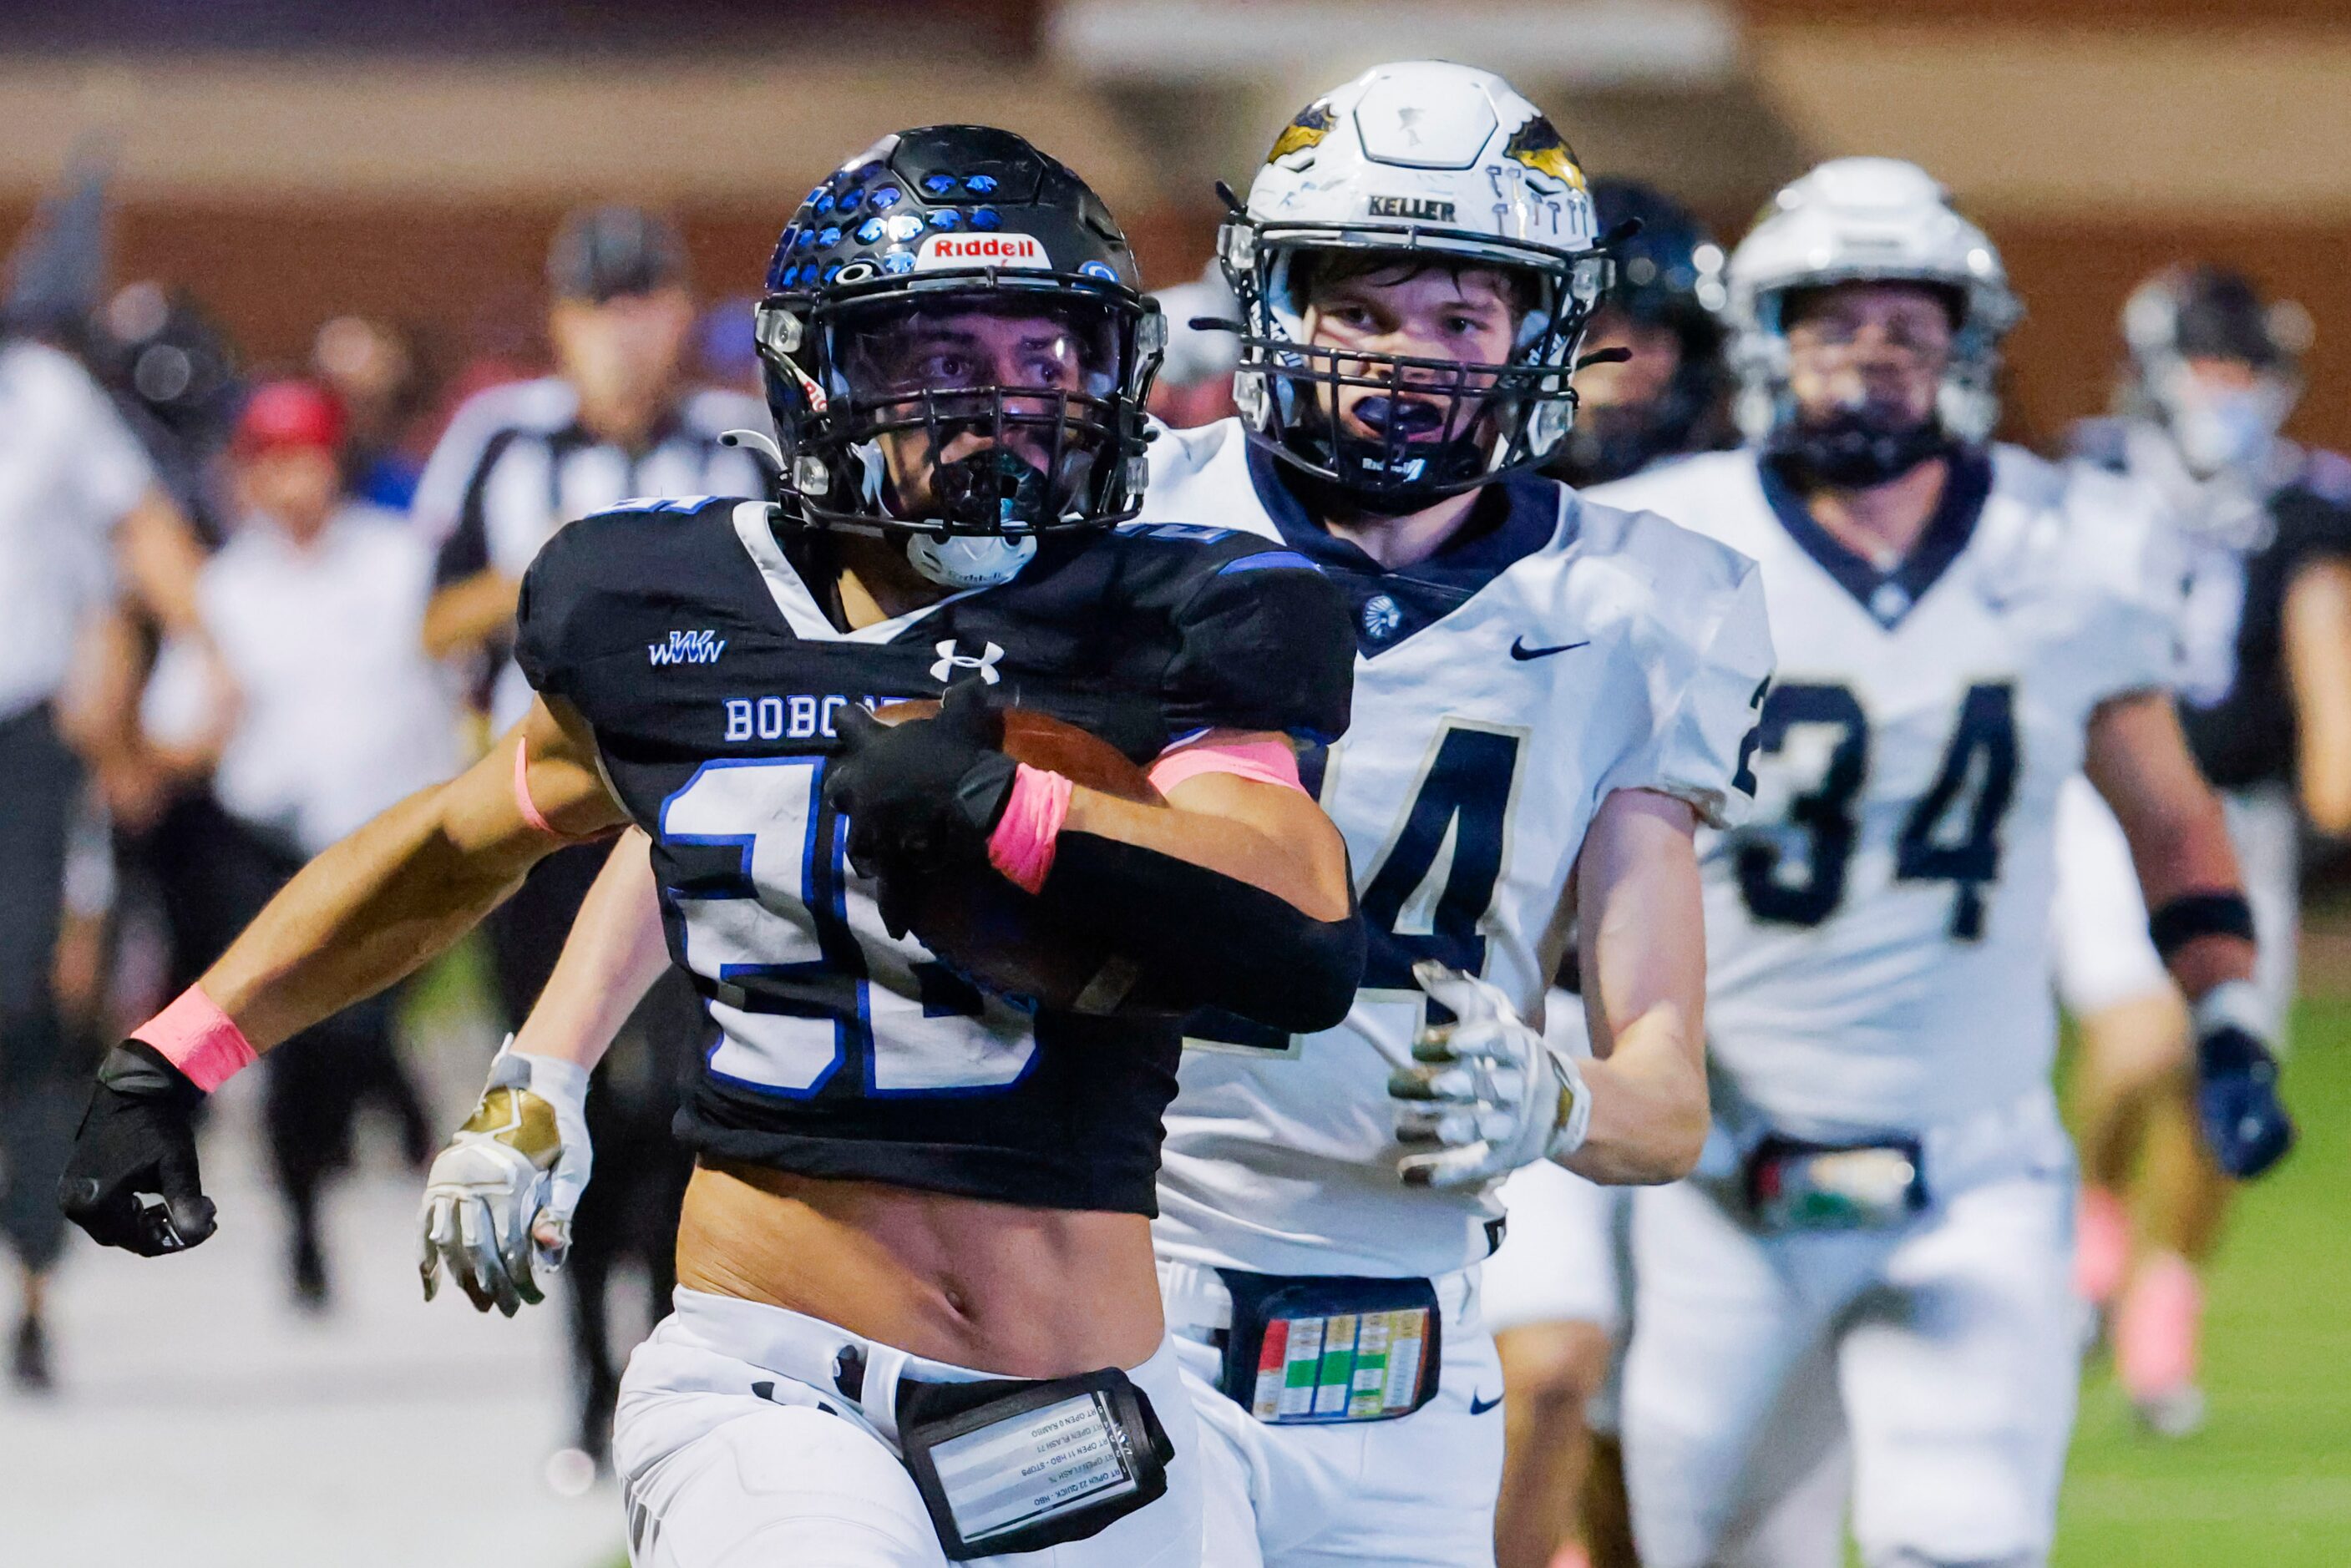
pixel 1950 834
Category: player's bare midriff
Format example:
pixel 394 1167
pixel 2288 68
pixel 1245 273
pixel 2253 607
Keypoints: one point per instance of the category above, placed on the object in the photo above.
pixel 995 1287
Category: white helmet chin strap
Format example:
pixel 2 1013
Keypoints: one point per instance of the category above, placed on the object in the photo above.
pixel 969 560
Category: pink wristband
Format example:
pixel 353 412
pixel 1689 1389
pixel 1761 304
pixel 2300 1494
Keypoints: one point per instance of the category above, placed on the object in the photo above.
pixel 1021 847
pixel 523 802
pixel 1267 761
pixel 195 1036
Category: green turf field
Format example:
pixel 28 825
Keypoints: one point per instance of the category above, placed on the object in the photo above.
pixel 2268 1481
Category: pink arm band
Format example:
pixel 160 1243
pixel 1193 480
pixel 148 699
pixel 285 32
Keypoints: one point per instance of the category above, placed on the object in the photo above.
pixel 1268 762
pixel 195 1036
pixel 523 802
pixel 1021 847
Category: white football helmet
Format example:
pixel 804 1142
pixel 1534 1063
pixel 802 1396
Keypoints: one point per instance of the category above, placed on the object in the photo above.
pixel 1443 161
pixel 1876 219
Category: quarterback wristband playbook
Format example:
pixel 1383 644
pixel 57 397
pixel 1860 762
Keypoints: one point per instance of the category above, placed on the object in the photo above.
pixel 1323 1350
pixel 1007 1466
pixel 195 1036
pixel 1792 1185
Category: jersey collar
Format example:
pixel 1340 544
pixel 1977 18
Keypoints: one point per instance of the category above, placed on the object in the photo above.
pixel 1516 515
pixel 792 598
pixel 1888 597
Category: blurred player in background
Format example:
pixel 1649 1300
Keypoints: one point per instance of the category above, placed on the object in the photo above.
pixel 80 511
pixel 314 599
pixel 1667 394
pixel 2213 369
pixel 1879 1241
pixel 617 420
pixel 1553 1292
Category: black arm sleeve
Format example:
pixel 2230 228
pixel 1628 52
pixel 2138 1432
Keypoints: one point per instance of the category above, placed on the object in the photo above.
pixel 1206 940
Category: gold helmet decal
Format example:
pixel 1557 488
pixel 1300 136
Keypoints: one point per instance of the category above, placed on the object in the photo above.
pixel 1538 145
pixel 1312 124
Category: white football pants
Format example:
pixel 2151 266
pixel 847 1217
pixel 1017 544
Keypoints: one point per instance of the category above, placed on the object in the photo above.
pixel 1413 1492
pixel 1943 1350
pixel 737 1449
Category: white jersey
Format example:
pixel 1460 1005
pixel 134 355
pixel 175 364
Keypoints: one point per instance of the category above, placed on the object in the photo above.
pixel 1502 691
pixel 1877 935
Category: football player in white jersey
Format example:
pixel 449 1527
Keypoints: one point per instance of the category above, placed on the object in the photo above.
pixel 1877 1241
pixel 2213 370
pixel 1553 1293
pixel 1551 695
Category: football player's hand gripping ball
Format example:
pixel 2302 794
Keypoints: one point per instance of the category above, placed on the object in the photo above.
pixel 1487 1093
pixel 132 1180
pixel 498 1200
pixel 2245 1123
pixel 921 796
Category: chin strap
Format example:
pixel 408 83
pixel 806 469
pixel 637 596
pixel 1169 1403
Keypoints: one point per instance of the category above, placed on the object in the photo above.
pixel 1851 450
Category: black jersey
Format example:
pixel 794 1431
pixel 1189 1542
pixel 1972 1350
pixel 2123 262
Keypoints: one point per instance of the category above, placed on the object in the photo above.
pixel 2240 560
pixel 712 680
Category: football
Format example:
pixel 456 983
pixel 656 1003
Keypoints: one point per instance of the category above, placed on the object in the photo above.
pixel 1001 938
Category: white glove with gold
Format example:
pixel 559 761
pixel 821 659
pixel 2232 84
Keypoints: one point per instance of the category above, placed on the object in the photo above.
pixel 498 1200
pixel 1488 1089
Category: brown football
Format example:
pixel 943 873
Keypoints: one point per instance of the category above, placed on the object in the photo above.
pixel 999 935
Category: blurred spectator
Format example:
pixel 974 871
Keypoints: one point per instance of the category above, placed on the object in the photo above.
pixel 376 370
pixel 617 420
pixel 1195 381
pixel 79 507
pixel 173 372
pixel 334 712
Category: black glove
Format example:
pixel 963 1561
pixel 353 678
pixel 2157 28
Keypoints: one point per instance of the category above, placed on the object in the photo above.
pixel 132 1180
pixel 2245 1123
pixel 922 796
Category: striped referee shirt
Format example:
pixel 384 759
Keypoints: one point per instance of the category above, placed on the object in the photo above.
pixel 516 465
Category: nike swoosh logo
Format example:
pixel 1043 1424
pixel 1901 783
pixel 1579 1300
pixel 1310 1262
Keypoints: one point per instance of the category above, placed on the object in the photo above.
pixel 1479 1407
pixel 1519 650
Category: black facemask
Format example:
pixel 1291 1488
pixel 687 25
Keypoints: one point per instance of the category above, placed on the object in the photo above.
pixel 1860 448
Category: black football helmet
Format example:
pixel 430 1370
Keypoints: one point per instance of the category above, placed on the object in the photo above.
pixel 956 352
pixel 1668 274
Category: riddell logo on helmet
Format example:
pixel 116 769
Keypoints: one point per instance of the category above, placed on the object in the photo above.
pixel 982 250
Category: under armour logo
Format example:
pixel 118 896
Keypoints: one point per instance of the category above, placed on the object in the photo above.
pixel 950 661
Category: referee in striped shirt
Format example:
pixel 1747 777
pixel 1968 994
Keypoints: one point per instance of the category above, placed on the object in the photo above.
pixel 616 421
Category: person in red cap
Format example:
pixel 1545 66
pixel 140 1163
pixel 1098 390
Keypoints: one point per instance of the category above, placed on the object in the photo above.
pixel 317 709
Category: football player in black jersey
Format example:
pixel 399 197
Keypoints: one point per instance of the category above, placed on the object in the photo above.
pixel 2264 532
pixel 915 1267
pixel 1666 391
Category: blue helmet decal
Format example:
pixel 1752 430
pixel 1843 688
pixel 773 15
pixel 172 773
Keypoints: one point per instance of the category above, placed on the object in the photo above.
pixel 886 198
pixel 987 218
pixel 1102 270
pixel 871 230
pixel 980 184
pixel 938 184
pixel 898 262
pixel 947 218
pixel 829 238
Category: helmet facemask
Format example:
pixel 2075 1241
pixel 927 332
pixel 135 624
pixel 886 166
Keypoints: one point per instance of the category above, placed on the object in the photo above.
pixel 1395 433
pixel 1874 434
pixel 972 421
